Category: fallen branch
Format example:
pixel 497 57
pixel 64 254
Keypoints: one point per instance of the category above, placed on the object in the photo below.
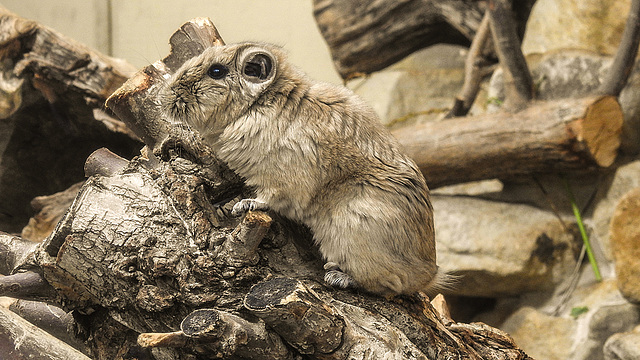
pixel 23 340
pixel 558 136
pixel 366 36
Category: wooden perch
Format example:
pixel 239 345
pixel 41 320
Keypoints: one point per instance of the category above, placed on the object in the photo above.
pixel 558 136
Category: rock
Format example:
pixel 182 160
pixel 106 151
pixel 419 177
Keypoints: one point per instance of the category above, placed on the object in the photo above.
pixel 501 249
pixel 541 336
pixel 623 346
pixel 421 87
pixel 547 331
pixel 593 25
pixel 610 191
pixel 625 244
pixel 605 321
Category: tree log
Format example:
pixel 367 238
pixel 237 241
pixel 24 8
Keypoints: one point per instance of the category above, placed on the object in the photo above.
pixel 556 136
pixel 367 36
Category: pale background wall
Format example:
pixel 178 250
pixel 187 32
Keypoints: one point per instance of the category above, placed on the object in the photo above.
pixel 138 30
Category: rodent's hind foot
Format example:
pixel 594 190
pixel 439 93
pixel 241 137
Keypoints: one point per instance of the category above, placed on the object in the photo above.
pixel 336 278
pixel 245 205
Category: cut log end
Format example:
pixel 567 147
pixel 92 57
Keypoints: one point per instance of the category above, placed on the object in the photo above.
pixel 601 129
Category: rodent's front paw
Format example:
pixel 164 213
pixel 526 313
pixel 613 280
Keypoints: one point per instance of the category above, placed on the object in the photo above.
pixel 245 205
pixel 339 279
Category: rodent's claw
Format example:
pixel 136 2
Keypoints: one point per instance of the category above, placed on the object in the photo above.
pixel 245 205
pixel 330 265
pixel 337 278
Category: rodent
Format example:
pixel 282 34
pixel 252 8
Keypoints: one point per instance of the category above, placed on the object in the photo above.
pixel 316 153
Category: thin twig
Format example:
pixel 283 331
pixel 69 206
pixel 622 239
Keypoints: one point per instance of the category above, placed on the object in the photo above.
pixel 474 70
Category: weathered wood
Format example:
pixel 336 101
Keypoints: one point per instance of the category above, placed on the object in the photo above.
pixel 476 67
pixel 366 36
pixel 50 209
pixel 14 251
pixel 556 136
pixel 51 319
pixel 54 115
pixel 23 340
pixel 26 285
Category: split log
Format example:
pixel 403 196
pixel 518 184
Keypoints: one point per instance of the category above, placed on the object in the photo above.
pixel 555 136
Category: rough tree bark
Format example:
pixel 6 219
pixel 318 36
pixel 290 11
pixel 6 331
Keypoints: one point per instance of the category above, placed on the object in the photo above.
pixel 152 265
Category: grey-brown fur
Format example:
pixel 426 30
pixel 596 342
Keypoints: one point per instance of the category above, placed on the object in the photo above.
pixel 314 152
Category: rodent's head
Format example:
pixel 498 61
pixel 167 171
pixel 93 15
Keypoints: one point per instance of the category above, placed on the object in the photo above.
pixel 219 85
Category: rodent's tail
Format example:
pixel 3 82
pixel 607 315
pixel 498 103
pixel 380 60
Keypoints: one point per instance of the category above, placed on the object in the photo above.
pixel 441 282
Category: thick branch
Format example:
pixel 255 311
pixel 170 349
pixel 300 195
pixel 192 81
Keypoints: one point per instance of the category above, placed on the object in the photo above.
pixel 49 318
pixel 22 340
pixel 518 82
pixel 298 315
pixel 565 135
pixel 626 55
pixel 26 285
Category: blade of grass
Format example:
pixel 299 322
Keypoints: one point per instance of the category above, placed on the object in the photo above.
pixel 583 232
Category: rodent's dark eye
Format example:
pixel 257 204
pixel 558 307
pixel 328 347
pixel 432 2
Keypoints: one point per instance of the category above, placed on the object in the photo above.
pixel 217 71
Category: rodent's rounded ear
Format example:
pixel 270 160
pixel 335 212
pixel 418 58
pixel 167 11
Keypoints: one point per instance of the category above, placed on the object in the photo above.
pixel 258 66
